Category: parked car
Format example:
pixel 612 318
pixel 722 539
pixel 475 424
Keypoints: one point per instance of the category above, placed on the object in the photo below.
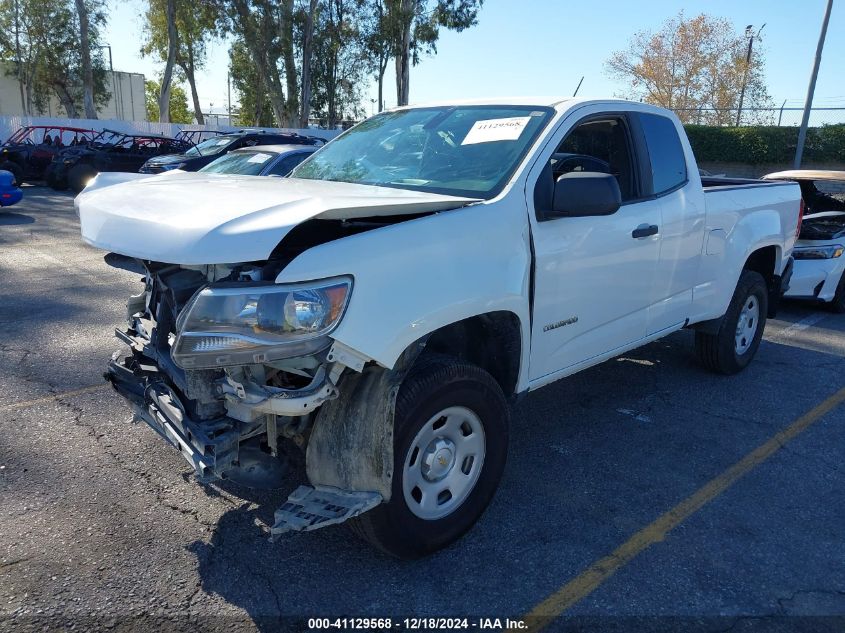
pixel 29 151
pixel 10 193
pixel 211 149
pixel 74 167
pixel 194 137
pixel 383 304
pixel 819 263
pixel 261 160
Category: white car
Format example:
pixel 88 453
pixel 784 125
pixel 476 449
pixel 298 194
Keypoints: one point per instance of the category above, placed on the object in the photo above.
pixel 819 265
pixel 382 305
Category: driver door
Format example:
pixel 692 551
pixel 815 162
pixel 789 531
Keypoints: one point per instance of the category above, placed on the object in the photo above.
pixel 593 275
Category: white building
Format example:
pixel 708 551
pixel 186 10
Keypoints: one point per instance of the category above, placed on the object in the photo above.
pixel 127 102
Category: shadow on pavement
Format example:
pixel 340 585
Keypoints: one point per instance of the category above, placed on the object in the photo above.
pixel 593 459
pixel 11 219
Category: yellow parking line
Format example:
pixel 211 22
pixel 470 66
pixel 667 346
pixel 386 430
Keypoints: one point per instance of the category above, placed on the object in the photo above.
pixel 591 578
pixel 53 396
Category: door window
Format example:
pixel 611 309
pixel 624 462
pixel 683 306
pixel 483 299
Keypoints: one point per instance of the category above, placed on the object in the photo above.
pixel 599 145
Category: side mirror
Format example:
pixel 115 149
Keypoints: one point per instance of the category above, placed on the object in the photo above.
pixel 585 193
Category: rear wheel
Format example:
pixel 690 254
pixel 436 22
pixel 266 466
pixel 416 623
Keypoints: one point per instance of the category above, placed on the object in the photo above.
pixel 450 447
pixel 731 349
pixel 15 170
pixel 79 175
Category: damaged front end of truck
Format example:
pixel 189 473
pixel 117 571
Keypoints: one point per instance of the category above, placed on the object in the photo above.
pixel 226 365
pixel 229 365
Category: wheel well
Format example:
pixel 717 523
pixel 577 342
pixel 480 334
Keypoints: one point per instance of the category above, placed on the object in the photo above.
pixel 763 261
pixel 492 341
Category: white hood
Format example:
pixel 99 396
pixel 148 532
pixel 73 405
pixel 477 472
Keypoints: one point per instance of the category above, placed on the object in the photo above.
pixel 192 218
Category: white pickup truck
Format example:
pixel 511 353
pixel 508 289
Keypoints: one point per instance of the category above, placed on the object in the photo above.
pixel 381 306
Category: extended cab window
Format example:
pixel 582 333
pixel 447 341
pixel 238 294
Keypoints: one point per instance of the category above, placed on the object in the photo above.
pixel 600 145
pixel 668 165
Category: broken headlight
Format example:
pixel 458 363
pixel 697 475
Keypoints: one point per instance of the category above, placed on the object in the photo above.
pixel 241 324
pixel 818 252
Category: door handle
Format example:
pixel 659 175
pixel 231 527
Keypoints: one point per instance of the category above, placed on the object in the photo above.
pixel 644 230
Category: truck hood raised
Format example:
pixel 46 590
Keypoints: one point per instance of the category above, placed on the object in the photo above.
pixel 194 218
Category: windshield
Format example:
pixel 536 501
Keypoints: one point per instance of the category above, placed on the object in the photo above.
pixel 211 146
pixel 465 150
pixel 246 163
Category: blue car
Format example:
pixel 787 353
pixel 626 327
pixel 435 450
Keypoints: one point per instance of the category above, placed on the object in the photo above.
pixel 10 193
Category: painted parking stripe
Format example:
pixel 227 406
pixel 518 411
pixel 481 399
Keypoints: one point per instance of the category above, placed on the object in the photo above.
pixel 52 397
pixel 591 578
pixel 798 326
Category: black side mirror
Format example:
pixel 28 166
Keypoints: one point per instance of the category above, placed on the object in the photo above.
pixel 585 193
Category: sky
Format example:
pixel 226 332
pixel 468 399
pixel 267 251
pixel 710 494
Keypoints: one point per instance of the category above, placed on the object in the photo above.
pixel 544 47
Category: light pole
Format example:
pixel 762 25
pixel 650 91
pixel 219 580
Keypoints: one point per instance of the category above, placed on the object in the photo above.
pixel 751 35
pixel 811 89
pixel 113 85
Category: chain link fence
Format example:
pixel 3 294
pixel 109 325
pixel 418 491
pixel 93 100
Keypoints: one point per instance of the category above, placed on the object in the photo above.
pixel 783 117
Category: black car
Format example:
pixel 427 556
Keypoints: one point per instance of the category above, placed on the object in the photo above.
pixel 109 151
pixel 213 148
pixel 28 152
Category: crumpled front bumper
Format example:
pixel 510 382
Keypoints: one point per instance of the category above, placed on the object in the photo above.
pixel 209 445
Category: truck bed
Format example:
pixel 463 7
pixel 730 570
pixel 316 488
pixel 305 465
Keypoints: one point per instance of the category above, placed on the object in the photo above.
pixel 721 182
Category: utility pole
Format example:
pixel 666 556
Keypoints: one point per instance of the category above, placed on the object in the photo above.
pixel 229 95
pixel 749 33
pixel 811 89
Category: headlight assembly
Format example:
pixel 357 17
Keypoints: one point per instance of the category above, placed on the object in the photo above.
pixel 169 166
pixel 244 324
pixel 818 252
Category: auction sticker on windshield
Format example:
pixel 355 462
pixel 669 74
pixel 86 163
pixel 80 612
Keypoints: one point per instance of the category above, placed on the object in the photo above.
pixel 489 130
pixel 259 158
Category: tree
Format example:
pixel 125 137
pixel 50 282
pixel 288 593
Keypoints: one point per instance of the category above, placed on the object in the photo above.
pixel 255 107
pixel 307 58
pixel 172 47
pixel 85 54
pixel 695 67
pixel 413 28
pixel 302 55
pixel 259 24
pixel 339 61
pixel 195 28
pixel 44 39
pixel 378 39
pixel 178 106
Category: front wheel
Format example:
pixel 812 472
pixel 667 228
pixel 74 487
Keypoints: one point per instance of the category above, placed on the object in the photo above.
pixel 731 349
pixel 450 448
pixel 837 305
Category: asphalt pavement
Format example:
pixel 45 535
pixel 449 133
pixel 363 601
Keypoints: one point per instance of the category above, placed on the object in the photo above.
pixel 102 525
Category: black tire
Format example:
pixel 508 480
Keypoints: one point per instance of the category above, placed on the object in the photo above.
pixel 435 384
pixel 54 181
pixel 838 303
pixel 79 175
pixel 718 352
pixel 15 170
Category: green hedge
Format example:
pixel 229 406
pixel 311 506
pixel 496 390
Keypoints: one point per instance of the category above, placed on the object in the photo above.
pixel 765 144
